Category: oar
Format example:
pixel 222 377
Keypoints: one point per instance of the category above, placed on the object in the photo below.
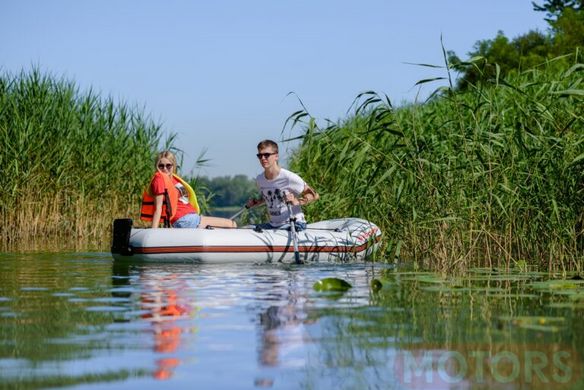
pixel 294 234
pixel 241 210
pixel 238 213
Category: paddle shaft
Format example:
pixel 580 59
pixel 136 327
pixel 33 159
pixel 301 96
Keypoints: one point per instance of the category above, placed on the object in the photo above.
pixel 238 213
pixel 241 210
pixel 294 234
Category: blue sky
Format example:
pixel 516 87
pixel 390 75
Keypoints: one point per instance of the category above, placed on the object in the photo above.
pixel 218 73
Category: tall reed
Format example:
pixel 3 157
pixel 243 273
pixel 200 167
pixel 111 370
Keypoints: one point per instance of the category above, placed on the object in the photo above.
pixel 71 161
pixel 488 177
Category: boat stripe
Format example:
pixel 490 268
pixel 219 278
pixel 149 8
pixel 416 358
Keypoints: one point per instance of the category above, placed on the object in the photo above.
pixel 253 249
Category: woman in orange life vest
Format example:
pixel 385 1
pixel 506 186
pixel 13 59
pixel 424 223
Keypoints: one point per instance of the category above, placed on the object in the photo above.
pixel 166 188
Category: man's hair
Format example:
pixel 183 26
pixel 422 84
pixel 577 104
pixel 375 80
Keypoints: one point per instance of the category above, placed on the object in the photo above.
pixel 268 143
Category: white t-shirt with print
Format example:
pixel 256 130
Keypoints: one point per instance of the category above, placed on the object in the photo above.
pixel 271 191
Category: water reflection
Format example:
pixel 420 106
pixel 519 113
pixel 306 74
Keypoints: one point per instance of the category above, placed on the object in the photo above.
pixel 282 329
pixel 165 306
pixel 274 321
pixel 279 310
pixel 489 329
pixel 58 331
pixel 76 320
pixel 291 319
pixel 164 300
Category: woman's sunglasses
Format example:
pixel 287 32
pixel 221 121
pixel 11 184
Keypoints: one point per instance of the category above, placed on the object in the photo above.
pixel 167 166
pixel 264 155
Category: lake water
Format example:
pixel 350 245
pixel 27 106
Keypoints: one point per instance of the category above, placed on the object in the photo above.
pixel 80 321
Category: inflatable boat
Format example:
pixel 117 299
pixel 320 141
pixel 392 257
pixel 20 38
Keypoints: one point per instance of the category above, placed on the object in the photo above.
pixel 345 239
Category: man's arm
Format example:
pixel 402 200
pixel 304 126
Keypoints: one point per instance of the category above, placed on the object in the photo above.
pixel 307 196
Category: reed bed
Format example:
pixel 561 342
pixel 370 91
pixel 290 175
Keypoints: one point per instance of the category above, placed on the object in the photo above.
pixel 492 176
pixel 71 162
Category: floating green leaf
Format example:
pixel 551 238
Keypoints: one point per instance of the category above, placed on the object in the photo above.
pixel 332 284
pixel 376 285
pixel 558 285
pixel 531 321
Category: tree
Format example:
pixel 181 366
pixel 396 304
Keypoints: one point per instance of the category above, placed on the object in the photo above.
pixel 569 32
pixel 555 8
pixel 523 52
pixel 226 190
pixel 499 56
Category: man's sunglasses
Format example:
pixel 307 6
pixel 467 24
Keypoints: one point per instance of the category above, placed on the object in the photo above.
pixel 264 155
pixel 167 166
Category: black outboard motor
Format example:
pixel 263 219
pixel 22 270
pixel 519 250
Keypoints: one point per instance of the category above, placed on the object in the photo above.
pixel 121 237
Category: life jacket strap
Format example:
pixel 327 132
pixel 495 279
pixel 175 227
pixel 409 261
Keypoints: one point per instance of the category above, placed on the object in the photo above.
pixel 168 209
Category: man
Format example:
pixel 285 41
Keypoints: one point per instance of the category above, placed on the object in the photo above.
pixel 279 186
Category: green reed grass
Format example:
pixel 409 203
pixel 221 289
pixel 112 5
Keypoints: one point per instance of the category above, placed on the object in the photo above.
pixel 487 177
pixel 71 162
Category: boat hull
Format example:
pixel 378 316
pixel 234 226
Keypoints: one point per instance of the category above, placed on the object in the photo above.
pixel 345 239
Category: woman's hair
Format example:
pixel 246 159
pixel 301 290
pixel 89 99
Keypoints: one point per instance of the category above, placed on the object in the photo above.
pixel 168 155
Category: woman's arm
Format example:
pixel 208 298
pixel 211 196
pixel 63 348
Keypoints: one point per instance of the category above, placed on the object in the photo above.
pixel 158 199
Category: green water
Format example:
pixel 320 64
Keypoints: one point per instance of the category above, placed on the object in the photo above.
pixel 78 320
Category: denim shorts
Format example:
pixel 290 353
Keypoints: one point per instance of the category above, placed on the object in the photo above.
pixel 191 220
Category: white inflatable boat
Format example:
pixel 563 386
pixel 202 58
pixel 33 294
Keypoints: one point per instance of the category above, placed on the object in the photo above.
pixel 345 239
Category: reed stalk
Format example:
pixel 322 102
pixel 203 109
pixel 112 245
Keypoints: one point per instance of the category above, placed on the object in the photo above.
pixel 71 162
pixel 486 177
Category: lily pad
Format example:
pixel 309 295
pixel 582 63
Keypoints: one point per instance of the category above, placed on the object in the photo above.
pixel 332 284
pixel 380 283
pixel 567 305
pixel 549 324
pixel 503 277
pixel 558 285
pixel 376 285
pixel 579 296
pixel 541 328
pixel 426 278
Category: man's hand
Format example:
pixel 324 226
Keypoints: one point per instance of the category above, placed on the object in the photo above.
pixel 252 202
pixel 290 198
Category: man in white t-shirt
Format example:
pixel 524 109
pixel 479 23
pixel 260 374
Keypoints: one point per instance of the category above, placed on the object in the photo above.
pixel 279 186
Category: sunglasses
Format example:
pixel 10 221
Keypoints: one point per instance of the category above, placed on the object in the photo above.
pixel 264 155
pixel 167 166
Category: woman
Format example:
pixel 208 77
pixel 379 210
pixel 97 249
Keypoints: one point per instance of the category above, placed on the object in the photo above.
pixel 171 200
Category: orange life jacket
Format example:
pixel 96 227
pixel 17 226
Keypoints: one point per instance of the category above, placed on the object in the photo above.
pixel 169 202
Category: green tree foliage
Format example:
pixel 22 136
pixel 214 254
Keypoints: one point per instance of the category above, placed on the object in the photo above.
pixel 492 58
pixel 226 190
pixel 523 52
pixel 555 8
pixel 569 32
